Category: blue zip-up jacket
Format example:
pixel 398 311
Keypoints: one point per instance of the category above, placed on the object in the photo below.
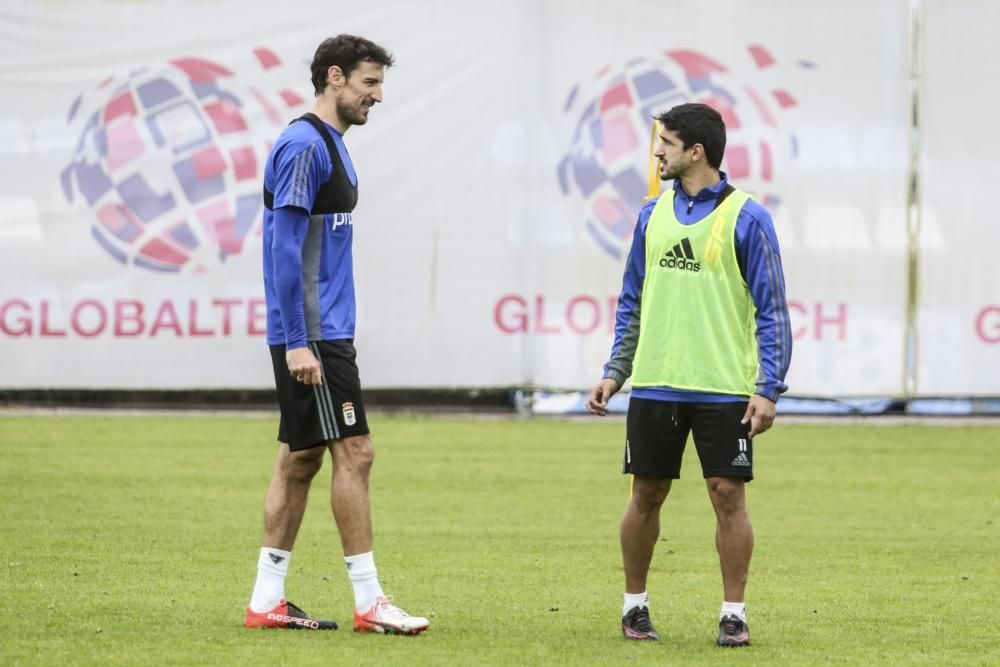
pixel 760 264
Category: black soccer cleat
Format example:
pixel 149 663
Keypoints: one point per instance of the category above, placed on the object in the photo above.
pixel 733 631
pixel 636 625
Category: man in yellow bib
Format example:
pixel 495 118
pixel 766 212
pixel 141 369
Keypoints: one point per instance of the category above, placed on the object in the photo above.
pixel 702 329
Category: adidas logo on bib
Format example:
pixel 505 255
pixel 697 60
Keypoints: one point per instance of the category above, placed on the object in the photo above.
pixel 681 256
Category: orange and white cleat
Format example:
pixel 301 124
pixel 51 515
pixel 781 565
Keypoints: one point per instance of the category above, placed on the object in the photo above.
pixel 286 616
pixel 386 618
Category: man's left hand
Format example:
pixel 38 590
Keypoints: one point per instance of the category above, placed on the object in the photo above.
pixel 760 415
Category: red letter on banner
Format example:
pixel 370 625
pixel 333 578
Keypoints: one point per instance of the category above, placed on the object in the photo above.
pixel 24 321
pixel 519 321
pixel 256 317
pixel 102 318
pixel 540 326
pixel 166 318
pixel 840 320
pixel 227 313
pixel 193 329
pixel 992 333
pixel 45 330
pixel 135 317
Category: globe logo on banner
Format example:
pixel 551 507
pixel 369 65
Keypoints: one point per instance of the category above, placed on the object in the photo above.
pixel 607 165
pixel 170 164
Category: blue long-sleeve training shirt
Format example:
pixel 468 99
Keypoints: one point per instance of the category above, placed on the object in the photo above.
pixel 308 259
pixel 760 264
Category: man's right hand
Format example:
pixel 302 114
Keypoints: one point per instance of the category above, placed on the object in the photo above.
pixel 597 403
pixel 303 366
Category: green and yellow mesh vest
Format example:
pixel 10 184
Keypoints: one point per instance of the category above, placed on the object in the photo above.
pixel 696 322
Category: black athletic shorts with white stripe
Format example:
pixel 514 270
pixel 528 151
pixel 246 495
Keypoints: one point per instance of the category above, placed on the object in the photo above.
pixel 657 431
pixel 313 414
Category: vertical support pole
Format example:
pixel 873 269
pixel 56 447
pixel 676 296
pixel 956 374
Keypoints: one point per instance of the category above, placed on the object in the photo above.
pixel 910 361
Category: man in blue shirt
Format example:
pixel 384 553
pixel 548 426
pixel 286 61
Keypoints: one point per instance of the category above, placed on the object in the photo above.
pixel 310 191
pixel 703 315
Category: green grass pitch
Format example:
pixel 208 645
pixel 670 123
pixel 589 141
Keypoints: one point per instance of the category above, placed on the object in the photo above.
pixel 133 541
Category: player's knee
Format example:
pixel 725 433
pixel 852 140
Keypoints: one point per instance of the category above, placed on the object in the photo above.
pixel 301 466
pixel 648 495
pixel 727 495
pixel 357 452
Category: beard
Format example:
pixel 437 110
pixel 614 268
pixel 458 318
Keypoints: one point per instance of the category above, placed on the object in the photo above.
pixel 351 115
pixel 670 173
pixel 673 170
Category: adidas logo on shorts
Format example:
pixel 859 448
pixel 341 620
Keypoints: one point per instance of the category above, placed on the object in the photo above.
pixel 742 459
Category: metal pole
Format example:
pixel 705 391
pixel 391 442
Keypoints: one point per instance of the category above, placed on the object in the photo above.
pixel 913 210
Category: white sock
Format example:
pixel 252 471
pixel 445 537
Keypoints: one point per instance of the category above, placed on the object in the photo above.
pixel 272 568
pixel 737 609
pixel 635 600
pixel 364 579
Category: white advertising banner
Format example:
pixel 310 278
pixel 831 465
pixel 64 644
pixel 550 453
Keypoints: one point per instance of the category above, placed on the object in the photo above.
pixel 499 181
pixel 818 132
pixel 959 295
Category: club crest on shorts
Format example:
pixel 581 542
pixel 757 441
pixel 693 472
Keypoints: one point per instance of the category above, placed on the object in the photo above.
pixel 349 418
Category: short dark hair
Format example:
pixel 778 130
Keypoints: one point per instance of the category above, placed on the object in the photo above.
pixel 345 51
pixel 698 124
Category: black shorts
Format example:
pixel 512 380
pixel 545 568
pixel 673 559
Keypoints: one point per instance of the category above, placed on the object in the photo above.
pixel 657 431
pixel 313 414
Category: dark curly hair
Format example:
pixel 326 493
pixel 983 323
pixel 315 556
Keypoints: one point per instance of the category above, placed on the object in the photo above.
pixel 698 124
pixel 345 51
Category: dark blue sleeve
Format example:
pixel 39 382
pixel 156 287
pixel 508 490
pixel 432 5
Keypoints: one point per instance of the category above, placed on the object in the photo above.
pixel 290 226
pixel 760 259
pixel 619 366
